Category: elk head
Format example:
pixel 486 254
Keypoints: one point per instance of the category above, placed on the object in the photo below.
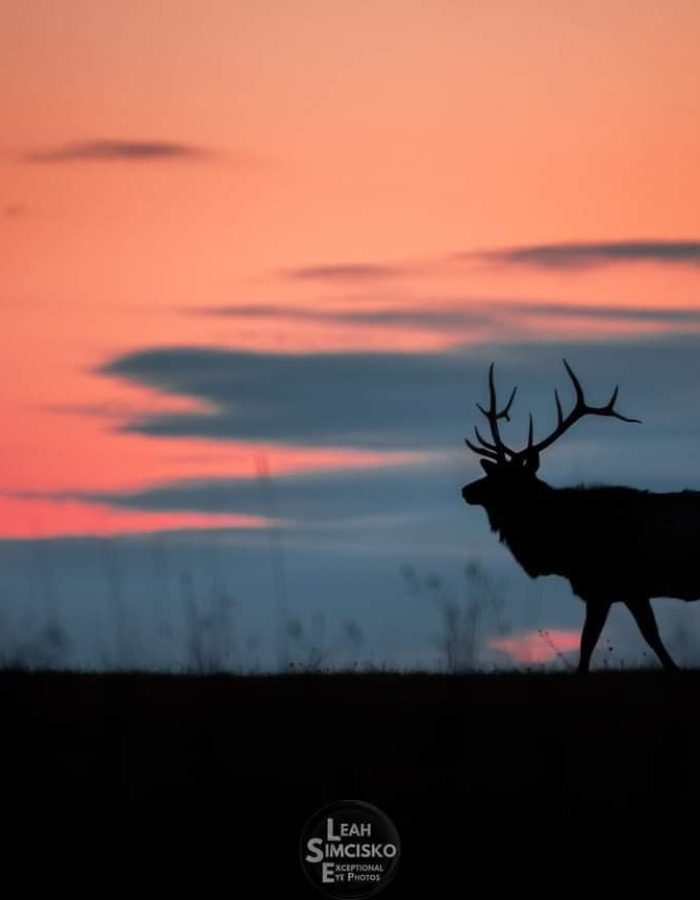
pixel 511 474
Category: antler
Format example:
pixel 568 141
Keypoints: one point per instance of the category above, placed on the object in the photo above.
pixel 497 450
pixel 581 409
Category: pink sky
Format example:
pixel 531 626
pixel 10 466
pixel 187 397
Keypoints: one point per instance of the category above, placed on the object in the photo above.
pixel 389 133
pixel 537 646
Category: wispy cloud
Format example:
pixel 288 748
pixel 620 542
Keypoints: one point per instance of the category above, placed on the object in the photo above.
pixel 409 317
pixel 14 210
pixel 127 151
pixel 452 313
pixel 583 255
pixel 662 315
pixel 565 255
pixel 343 272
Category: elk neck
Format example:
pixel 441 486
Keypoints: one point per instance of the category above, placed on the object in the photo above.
pixel 517 520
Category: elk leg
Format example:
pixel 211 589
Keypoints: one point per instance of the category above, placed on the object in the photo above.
pixel 645 619
pixel 596 614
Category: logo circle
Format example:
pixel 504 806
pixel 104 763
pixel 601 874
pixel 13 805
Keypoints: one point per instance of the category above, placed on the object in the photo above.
pixel 350 849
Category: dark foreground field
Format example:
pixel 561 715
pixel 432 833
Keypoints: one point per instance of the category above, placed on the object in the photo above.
pixel 503 778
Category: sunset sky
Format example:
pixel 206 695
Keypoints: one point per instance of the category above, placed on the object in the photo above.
pixel 256 258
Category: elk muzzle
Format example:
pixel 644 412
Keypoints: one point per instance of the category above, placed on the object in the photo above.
pixel 470 493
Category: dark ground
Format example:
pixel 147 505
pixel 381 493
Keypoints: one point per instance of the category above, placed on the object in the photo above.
pixel 499 780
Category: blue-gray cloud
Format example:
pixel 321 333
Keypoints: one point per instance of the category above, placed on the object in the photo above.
pixel 124 150
pixel 333 498
pixel 399 400
pixel 356 399
pixel 576 255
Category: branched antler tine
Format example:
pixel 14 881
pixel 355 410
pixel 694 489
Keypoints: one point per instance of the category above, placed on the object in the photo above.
pixel 492 389
pixel 489 446
pixel 530 434
pixel 496 448
pixel 611 411
pixel 492 414
pixel 560 414
pixel 618 415
pixel 580 396
pixel 482 451
pixel 505 414
pixel 483 441
pixel 580 409
pixel 608 409
pixel 493 411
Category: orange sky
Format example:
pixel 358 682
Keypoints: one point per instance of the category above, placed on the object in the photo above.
pixel 394 132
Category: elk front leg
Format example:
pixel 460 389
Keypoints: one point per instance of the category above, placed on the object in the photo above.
pixel 645 619
pixel 596 614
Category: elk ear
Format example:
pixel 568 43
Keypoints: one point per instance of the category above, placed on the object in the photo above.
pixel 532 461
pixel 488 466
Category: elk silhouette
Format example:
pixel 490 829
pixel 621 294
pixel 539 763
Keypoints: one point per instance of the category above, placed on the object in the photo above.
pixel 613 544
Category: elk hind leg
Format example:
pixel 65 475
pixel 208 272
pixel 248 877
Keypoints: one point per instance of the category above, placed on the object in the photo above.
pixel 596 614
pixel 644 617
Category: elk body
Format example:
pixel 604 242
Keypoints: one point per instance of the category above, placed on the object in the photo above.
pixel 613 544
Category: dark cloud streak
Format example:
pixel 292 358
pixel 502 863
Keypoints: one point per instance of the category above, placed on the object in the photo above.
pixel 448 316
pixel 565 255
pixel 127 151
pixel 584 255
pixel 343 272
pixel 407 317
